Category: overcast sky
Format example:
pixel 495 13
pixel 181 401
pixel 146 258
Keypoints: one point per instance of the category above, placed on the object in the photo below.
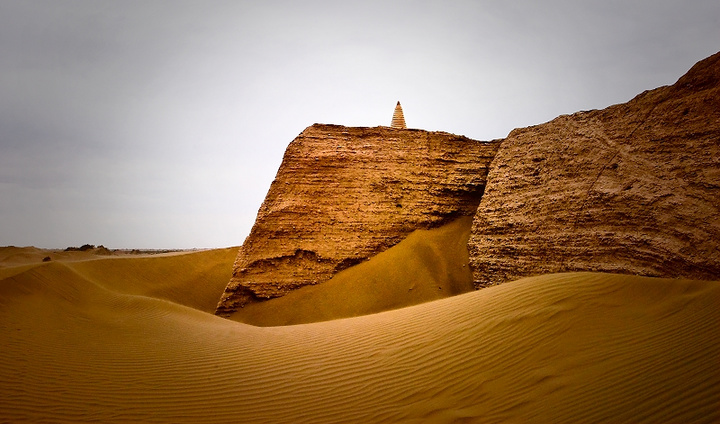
pixel 161 124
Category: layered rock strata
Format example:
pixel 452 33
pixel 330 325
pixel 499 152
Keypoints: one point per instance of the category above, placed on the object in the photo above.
pixel 345 194
pixel 634 188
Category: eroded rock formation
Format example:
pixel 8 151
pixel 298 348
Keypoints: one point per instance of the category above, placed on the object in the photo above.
pixel 345 194
pixel 634 188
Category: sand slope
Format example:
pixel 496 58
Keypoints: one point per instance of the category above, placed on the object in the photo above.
pixel 427 265
pixel 556 348
pixel 194 279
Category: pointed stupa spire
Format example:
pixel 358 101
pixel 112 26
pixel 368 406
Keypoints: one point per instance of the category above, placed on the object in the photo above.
pixel 398 120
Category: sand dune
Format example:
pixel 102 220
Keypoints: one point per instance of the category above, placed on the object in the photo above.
pixel 194 279
pixel 556 348
pixel 427 265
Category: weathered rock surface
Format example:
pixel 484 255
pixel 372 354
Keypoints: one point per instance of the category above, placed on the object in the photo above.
pixel 634 188
pixel 345 194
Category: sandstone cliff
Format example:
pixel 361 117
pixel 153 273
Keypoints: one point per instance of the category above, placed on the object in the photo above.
pixel 345 194
pixel 634 188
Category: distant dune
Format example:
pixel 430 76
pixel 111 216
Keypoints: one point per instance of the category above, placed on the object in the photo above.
pixel 194 281
pixel 93 341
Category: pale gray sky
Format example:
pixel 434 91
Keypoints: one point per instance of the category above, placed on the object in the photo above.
pixel 161 124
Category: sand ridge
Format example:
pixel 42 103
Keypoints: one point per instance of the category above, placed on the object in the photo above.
pixel 557 348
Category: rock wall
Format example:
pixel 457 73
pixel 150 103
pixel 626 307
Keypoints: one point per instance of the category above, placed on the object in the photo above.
pixel 634 188
pixel 345 194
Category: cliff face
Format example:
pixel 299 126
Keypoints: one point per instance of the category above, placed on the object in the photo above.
pixel 345 194
pixel 634 188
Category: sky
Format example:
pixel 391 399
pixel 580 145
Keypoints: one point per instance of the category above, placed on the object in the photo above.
pixel 161 124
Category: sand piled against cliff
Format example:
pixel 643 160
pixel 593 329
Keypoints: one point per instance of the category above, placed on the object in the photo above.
pixel 557 348
pixel 343 194
pixel 427 265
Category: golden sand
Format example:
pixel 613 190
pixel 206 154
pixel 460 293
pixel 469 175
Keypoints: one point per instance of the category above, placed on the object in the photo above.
pixel 112 340
pixel 427 265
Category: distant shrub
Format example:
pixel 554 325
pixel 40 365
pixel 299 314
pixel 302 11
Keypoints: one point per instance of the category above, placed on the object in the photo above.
pixel 47 259
pixel 82 248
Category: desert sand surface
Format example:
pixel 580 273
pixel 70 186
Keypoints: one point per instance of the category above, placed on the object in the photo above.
pixel 191 278
pixel 128 340
pixel 427 265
